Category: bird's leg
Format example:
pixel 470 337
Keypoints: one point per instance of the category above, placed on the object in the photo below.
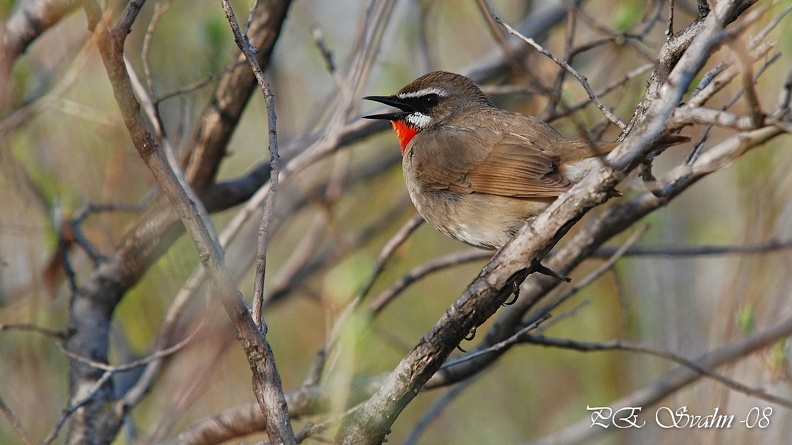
pixel 537 266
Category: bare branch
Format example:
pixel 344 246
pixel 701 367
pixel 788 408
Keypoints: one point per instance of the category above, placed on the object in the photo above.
pixel 397 240
pixel 510 264
pixel 441 263
pixel 620 345
pixel 677 378
pixel 267 385
pixel 58 335
pixel 583 81
pixel 15 423
pixel 692 251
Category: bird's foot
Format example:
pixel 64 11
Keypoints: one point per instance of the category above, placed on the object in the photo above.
pixel 515 293
pixel 471 335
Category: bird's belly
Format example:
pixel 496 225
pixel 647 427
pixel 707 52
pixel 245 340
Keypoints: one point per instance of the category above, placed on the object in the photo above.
pixel 479 220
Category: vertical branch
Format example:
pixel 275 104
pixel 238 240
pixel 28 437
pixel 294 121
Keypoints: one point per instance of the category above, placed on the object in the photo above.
pixel 266 381
pixel 268 387
pixel 266 220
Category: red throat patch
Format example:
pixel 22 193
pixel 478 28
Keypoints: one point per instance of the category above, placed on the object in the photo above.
pixel 404 132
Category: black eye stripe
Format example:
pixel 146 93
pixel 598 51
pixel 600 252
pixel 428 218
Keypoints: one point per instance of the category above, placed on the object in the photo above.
pixel 424 103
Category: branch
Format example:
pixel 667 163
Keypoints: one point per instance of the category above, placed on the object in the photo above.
pixel 583 81
pixel 27 23
pixel 686 251
pixel 266 381
pixel 15 423
pixel 584 244
pixel 620 345
pixel 672 381
pixel 110 43
pixel 372 421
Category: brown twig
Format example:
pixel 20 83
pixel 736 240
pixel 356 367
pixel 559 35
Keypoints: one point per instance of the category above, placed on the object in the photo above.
pixel 387 251
pixel 58 335
pixel 269 390
pixel 677 378
pixel 479 301
pixel 266 380
pixel 621 345
pixel 13 420
pixel 583 81
pixel 437 264
pixel 269 203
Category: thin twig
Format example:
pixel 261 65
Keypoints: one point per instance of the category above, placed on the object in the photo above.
pixel 611 117
pixel 437 264
pixel 58 335
pixel 318 365
pixel 688 251
pixel 75 405
pixel 156 355
pixel 672 381
pixel 604 267
pixel 498 36
pixel 167 331
pixel 195 85
pixel 65 80
pixel 621 345
pixel 436 409
pixel 159 10
pixel 632 41
pixel 15 423
pixel 544 314
pixel 269 203
pixel 269 391
pixel 327 55
pixel 748 81
pixel 387 251
pixel 604 91
pixel 669 32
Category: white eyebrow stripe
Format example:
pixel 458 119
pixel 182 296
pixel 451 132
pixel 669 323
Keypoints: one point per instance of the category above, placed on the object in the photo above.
pixel 423 92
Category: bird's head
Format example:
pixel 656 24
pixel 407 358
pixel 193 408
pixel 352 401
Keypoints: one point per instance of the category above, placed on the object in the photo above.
pixel 427 101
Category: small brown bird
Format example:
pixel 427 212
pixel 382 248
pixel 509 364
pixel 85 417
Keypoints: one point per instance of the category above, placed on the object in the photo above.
pixel 476 172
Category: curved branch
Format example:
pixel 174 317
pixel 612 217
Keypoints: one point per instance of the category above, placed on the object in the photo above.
pixel 510 265
pixel 679 377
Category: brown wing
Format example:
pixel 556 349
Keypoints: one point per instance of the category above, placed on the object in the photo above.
pixel 491 162
pixel 516 167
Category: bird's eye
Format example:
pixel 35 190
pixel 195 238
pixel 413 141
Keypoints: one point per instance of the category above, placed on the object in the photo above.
pixel 430 100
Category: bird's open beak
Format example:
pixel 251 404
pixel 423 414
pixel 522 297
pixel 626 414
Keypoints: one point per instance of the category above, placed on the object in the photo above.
pixel 393 102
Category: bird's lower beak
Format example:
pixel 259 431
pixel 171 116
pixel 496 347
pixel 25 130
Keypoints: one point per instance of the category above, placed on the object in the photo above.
pixel 393 102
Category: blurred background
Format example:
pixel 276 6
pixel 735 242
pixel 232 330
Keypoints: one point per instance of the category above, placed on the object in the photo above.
pixel 74 150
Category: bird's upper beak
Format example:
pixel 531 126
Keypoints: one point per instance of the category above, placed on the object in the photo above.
pixel 393 102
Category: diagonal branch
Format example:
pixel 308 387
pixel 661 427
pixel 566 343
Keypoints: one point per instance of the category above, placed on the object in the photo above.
pixel 650 394
pixel 510 265
pixel 94 303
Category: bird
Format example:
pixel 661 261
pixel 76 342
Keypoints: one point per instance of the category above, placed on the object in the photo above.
pixel 476 172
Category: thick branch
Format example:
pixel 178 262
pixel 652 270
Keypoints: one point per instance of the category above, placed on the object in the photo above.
pixel 372 421
pixel 94 304
pixel 30 19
